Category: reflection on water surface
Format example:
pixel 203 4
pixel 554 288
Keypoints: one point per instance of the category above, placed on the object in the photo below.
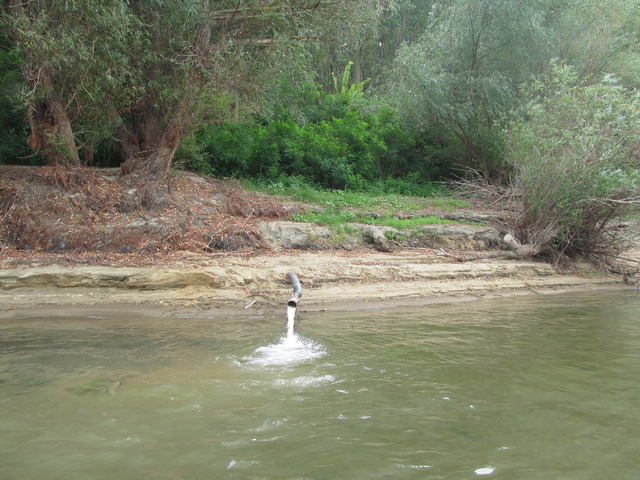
pixel 540 387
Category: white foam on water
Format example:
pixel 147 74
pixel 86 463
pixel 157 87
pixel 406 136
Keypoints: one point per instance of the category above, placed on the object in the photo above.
pixel 241 464
pixel 270 425
pixel 303 382
pixel 291 350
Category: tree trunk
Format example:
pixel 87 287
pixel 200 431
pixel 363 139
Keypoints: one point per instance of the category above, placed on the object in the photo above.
pixel 129 149
pixel 147 126
pixel 52 134
pixel 358 76
pixel 141 147
pixel 151 147
pixel 159 163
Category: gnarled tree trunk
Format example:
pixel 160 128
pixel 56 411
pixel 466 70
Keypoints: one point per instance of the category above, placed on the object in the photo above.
pixel 129 149
pixel 153 165
pixel 52 134
pixel 159 163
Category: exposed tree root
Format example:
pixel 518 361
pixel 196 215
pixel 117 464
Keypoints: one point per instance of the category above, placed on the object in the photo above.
pixel 63 176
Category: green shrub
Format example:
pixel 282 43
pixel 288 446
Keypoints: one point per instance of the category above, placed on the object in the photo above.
pixel 328 217
pixel 331 141
pixel 576 160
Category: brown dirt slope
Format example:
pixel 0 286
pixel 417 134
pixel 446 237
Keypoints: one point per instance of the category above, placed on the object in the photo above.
pixel 53 211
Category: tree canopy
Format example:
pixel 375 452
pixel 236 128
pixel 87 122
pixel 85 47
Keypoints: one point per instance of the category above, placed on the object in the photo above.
pixel 461 80
pixel 150 70
pixel 74 63
pixel 538 97
pixel 149 73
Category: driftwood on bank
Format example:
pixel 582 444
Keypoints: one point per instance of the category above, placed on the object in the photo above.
pixel 516 251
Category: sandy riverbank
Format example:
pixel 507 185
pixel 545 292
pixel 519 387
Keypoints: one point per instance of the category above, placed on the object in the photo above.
pixel 259 284
pixel 215 248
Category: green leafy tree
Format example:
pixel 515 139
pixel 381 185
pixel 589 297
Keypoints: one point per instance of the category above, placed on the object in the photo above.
pixel 288 92
pixel 459 82
pixel 597 37
pixel 74 64
pixel 13 124
pixel 151 70
pixel 356 40
pixel 203 56
pixel 371 43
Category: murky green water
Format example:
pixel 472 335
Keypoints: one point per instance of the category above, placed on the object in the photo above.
pixel 540 387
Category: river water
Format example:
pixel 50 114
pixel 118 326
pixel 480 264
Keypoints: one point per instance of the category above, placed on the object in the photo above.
pixel 536 387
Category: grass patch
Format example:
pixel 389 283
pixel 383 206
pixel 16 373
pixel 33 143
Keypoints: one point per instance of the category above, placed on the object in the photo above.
pixel 327 217
pixel 449 203
pixel 330 218
pixel 401 224
pixel 297 189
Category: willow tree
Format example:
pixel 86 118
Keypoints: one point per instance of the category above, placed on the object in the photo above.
pixel 201 56
pixel 459 81
pixel 598 38
pixel 74 64
pixel 150 70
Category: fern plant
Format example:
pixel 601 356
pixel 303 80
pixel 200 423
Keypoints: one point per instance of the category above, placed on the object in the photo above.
pixel 348 91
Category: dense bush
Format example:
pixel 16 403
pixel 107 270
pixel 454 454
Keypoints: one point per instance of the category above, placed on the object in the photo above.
pixel 576 164
pixel 337 140
pixel 13 123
